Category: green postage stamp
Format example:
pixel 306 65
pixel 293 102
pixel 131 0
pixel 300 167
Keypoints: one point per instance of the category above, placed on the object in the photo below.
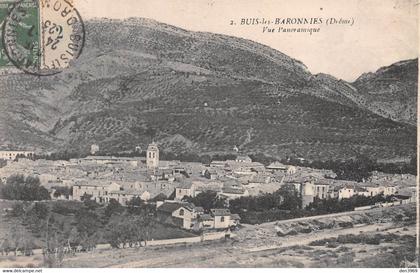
pixel 40 37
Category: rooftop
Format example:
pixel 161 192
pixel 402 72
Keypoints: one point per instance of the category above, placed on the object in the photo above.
pixel 206 217
pixel 235 217
pixel 230 190
pixel 93 183
pixel 220 212
pixel 277 165
pixel 173 206
pixel 113 158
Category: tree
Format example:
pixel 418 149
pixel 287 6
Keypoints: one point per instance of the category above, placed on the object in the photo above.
pixel 40 210
pixel 18 209
pixel 357 170
pixel 151 132
pixel 88 221
pixel 128 230
pixel 290 197
pixel 53 252
pixel 63 191
pixel 27 188
pixel 73 238
pixel 262 158
pixel 134 206
pixel 35 217
pixel 113 207
pixel 88 202
pixel 207 199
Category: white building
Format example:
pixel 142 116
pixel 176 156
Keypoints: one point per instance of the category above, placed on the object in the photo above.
pixel 186 189
pixel 243 159
pixel 221 218
pixel 94 149
pixel 152 156
pixel 346 192
pixel 98 190
pixel 11 155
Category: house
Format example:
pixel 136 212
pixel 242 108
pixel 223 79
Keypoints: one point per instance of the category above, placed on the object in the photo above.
pixel 206 220
pixel 321 189
pixel 307 192
pixel 211 174
pixel 221 218
pixel 244 168
pixel 94 148
pixel 297 185
pixel 243 159
pixel 185 189
pixel 310 188
pixel 97 189
pixel 199 210
pixel 390 190
pixel 125 195
pixel 133 161
pixel 218 220
pixel 162 174
pixel 291 170
pixel 11 155
pixel 259 178
pixel 179 171
pixel 346 192
pixel 204 188
pixel 372 189
pixel 277 166
pixel 180 214
pixel 218 164
pixel 187 216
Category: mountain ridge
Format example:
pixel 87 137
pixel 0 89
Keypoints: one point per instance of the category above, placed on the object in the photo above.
pixel 203 91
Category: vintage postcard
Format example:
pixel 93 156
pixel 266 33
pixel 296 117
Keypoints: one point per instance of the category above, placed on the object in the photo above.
pixel 208 134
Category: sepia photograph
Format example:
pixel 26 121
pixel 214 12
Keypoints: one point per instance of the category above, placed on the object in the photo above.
pixel 208 134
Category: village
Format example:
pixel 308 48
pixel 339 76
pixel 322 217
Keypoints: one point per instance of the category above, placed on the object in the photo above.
pixel 103 178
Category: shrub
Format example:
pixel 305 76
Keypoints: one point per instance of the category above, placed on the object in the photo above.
pixel 345 224
pixel 18 187
pixel 332 245
pixel 372 240
pixel 18 209
pixel 348 239
pixel 66 207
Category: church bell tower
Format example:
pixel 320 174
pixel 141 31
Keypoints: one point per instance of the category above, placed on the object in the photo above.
pixel 152 156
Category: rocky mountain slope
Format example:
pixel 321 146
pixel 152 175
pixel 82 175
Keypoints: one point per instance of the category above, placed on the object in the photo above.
pixel 392 91
pixel 198 92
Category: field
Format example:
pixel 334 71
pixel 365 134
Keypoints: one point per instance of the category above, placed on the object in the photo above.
pixel 376 241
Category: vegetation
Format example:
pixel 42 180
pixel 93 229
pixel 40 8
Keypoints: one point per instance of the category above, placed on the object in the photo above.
pixel 60 155
pixel 358 168
pixel 64 227
pixel 333 205
pixel 28 188
pixel 401 255
pixel 207 199
pixel 285 203
pixel 282 204
pixel 125 230
pixel 63 191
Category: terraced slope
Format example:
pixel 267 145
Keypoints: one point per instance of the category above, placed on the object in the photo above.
pixel 198 92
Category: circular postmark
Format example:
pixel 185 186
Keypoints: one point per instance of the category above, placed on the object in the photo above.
pixel 43 37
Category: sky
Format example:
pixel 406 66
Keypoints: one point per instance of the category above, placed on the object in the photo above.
pixel 384 31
